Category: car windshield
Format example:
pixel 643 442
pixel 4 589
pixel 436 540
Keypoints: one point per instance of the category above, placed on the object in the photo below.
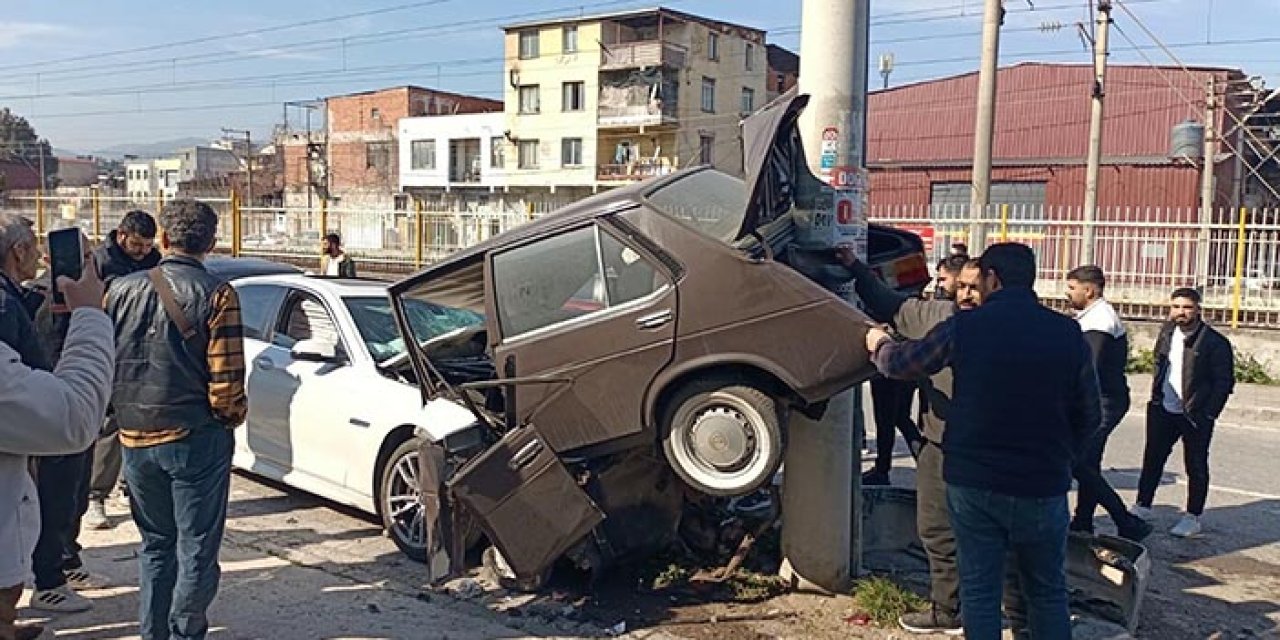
pixel 710 201
pixel 377 326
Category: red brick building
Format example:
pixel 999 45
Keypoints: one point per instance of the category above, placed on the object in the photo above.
pixel 360 147
pixel 920 138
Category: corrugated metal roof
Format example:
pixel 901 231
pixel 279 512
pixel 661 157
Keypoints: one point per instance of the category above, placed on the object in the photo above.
pixel 1042 111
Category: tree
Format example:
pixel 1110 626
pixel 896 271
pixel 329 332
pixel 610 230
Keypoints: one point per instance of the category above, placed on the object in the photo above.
pixel 19 143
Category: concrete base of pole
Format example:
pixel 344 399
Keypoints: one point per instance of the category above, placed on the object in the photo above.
pixel 818 514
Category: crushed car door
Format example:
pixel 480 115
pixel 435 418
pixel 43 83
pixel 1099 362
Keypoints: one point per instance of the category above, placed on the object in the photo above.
pixel 590 312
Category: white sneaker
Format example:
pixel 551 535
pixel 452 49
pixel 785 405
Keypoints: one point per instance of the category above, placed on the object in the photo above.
pixel 60 600
pixel 96 516
pixel 1187 527
pixel 81 579
pixel 1142 512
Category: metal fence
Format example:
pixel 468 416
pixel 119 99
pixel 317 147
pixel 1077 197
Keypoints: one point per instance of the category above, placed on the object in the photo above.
pixel 1234 258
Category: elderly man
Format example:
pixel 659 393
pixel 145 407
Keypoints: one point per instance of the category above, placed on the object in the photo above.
pixel 43 414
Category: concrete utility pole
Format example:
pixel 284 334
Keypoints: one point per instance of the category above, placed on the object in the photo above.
pixel 984 128
pixel 822 528
pixel 1100 53
pixel 1206 182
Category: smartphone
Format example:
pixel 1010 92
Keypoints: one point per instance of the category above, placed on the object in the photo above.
pixel 66 258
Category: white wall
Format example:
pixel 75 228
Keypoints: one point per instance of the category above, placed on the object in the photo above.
pixel 442 129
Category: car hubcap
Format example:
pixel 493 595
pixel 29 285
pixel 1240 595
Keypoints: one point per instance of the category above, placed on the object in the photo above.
pixel 722 438
pixel 403 505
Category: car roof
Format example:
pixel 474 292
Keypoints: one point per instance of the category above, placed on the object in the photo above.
pixel 236 268
pixel 341 287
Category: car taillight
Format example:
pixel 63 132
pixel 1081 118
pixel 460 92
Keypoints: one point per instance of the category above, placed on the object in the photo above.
pixel 907 272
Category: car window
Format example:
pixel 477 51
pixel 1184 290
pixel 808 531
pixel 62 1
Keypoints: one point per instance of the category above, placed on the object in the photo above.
pixel 259 304
pixel 712 202
pixel 567 276
pixel 305 318
pixel 377 326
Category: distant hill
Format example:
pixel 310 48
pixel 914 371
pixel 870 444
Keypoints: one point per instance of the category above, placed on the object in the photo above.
pixel 149 149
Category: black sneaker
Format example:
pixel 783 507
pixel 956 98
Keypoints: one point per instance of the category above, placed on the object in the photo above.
pixel 875 478
pixel 932 621
pixel 1136 529
pixel 1080 526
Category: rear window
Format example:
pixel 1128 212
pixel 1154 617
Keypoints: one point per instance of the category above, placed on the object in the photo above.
pixel 712 202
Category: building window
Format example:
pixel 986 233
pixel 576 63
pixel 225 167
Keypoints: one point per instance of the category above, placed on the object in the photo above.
pixel 748 100
pixel 708 94
pixel 529 99
pixel 571 39
pixel 575 96
pixel 571 152
pixel 706 148
pixel 750 57
pixel 528 154
pixel 377 155
pixel 782 83
pixel 713 46
pixel 497 152
pixel 528 44
pixel 422 155
pixel 375 113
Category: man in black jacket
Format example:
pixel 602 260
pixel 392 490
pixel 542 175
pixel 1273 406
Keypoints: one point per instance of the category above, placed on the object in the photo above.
pixel 1195 374
pixel 1109 344
pixel 130 247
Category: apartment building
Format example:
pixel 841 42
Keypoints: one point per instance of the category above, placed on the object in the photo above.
pixel 604 100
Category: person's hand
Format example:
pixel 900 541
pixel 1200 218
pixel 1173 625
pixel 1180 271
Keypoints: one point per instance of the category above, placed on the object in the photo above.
pixel 875 335
pixel 87 292
pixel 845 255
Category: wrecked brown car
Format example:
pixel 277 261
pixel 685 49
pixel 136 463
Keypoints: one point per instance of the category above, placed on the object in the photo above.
pixel 658 328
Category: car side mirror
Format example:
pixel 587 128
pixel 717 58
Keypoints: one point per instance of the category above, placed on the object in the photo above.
pixel 315 350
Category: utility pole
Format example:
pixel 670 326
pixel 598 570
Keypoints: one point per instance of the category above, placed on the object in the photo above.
pixel 1206 182
pixel 984 128
pixel 248 159
pixel 822 532
pixel 1102 28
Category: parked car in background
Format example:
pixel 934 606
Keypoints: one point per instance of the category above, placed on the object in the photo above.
pixel 658 329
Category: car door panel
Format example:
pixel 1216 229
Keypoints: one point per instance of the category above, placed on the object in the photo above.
pixel 607 356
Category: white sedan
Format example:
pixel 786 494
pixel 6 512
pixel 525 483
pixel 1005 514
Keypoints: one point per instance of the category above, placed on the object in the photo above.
pixel 328 413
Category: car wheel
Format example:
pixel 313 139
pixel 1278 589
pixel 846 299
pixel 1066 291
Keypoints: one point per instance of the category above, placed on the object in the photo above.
pixel 398 500
pixel 723 438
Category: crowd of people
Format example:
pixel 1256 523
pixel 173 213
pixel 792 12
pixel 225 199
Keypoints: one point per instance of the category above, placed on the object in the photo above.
pixel 1017 401
pixel 141 373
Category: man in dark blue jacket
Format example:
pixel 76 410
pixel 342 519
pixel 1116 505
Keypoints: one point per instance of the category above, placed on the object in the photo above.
pixel 1025 402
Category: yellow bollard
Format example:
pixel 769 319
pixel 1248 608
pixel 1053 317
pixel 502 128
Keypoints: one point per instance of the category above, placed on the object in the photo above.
pixel 40 214
pixel 1004 223
pixel 324 220
pixel 1239 279
pixel 97 216
pixel 237 225
pixel 159 202
pixel 420 227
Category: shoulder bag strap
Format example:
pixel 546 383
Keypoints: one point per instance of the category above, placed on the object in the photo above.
pixel 170 303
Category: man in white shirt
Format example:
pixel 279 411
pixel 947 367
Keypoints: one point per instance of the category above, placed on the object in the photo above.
pixel 44 413
pixel 1195 374
pixel 335 262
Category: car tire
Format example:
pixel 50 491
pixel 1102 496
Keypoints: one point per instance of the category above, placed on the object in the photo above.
pixel 723 437
pixel 398 500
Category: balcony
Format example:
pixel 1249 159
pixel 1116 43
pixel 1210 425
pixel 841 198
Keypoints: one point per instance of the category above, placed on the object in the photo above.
pixel 643 54
pixel 634 171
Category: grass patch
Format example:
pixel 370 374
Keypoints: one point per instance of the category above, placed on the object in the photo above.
pixel 748 586
pixel 884 600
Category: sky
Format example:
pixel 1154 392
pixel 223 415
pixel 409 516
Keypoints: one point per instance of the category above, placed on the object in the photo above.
pixel 90 74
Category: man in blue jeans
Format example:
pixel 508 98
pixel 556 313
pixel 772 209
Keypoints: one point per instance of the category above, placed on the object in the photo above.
pixel 1024 403
pixel 179 391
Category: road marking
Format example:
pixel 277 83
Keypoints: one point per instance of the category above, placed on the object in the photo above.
pixel 1212 487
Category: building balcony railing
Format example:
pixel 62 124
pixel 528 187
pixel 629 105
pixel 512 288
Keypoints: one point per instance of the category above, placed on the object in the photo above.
pixel 656 112
pixel 647 53
pixel 638 170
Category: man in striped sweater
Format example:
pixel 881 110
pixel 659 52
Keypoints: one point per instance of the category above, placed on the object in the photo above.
pixel 179 391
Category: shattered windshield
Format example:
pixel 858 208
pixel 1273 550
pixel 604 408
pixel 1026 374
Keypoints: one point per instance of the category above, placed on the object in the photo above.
pixel 377 326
